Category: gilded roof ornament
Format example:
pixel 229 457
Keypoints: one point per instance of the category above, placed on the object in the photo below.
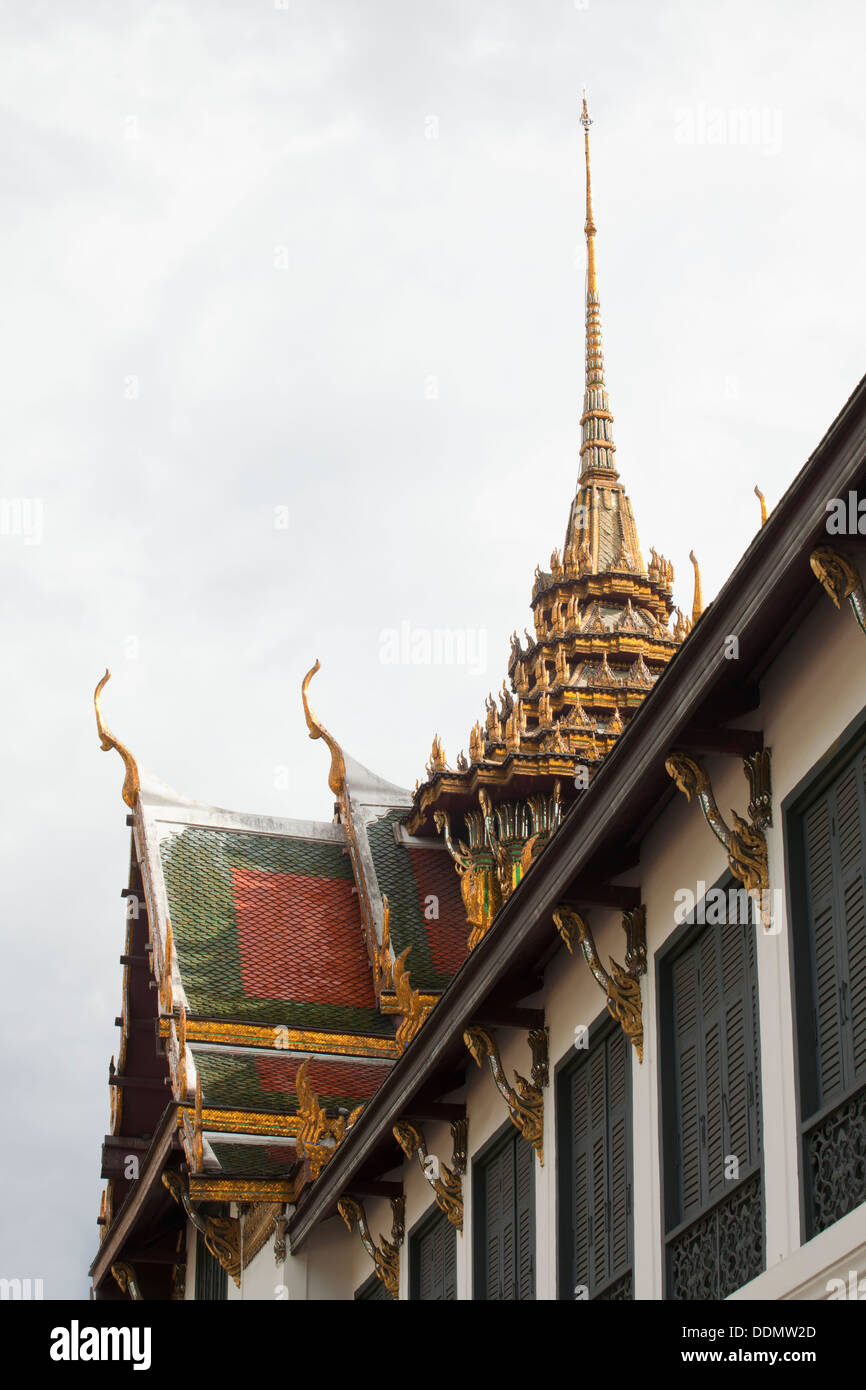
pixel 698 604
pixel 526 1103
pixel 763 501
pixel 131 784
pixel 337 774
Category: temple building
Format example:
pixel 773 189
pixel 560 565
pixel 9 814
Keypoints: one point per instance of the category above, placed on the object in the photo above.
pixel 551 1025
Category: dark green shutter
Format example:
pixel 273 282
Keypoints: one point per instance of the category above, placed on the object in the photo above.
pixel 505 1239
pixel 833 831
pixel 210 1277
pixel 435 1253
pixel 598 1167
pixel 716 1080
pixel 619 1154
pixel 524 1256
pixel 581 1167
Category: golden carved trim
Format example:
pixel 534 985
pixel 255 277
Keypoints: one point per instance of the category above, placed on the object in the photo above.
pixel 526 1104
pixel 127 1280
pixel 318 1135
pixel 763 501
pixel 243 1122
pixel 840 579
pixel 337 773
pixel 385 1257
pixel 410 1002
pixel 284 1039
pixel 259 1225
pixel 446 1185
pixel 222 1234
pixel 382 963
pixel 213 1188
pixel 621 987
pixel 107 741
pixel 745 842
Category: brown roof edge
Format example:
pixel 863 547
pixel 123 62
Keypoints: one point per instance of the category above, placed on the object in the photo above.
pixel 757 595
pixel 164 1140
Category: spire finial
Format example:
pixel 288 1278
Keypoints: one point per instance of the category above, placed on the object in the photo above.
pixel 589 228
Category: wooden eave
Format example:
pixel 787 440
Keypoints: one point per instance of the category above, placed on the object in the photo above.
pixel 146 1200
pixel 764 601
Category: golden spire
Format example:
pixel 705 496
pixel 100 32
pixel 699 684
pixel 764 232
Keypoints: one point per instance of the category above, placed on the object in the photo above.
pixel 597 447
pixel 589 227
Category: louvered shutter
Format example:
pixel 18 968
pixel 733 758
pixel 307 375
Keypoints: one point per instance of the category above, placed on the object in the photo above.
pixel 210 1278
pixel 508 1226
pixel 505 1240
pixel 850 823
pixel 687 1077
pixel 524 1163
pixel 597 1149
pixel 619 1155
pixel 835 853
pixel 435 1255
pixel 598 1166
pixel 581 1147
pixel 449 1261
pixel 716 1059
pixel 427 1288
pixel 826 982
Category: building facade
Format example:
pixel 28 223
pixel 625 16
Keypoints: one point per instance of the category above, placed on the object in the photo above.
pixel 582 1017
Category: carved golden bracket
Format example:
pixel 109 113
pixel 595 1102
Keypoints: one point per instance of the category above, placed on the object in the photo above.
pixel 127 1281
pixel 386 1258
pixel 841 580
pixel 446 1184
pixel 319 1136
pixel 621 985
pixel 107 741
pixel 526 1104
pixel 222 1234
pixel 178 1270
pixel 281 1228
pixel 746 841
pixel 459 1144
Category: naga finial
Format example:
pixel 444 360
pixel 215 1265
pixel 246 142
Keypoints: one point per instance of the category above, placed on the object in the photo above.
pixel 337 774
pixel 763 501
pixel 698 605
pixel 131 784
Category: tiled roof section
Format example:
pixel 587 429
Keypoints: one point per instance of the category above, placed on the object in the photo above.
pixel 419 883
pixel 255 1160
pixel 267 930
pixel 257 1082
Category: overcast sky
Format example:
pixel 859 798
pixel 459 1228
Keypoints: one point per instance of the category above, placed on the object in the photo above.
pixel 292 354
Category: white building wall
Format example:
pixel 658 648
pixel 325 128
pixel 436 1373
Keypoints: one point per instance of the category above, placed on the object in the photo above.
pixel 816 687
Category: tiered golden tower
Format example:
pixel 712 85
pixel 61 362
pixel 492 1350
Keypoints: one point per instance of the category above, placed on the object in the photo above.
pixel 601 639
